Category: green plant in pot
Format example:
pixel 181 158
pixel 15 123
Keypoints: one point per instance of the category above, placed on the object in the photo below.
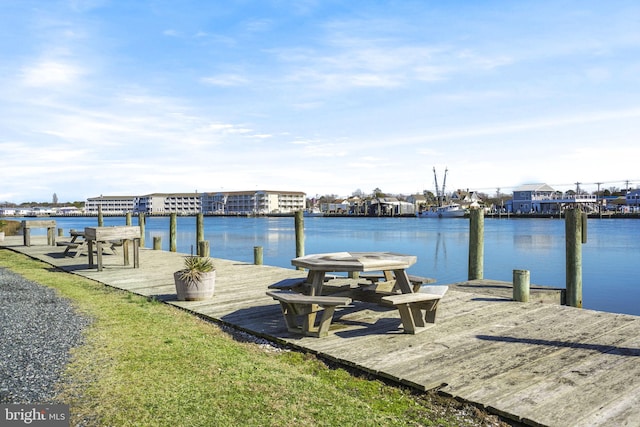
pixel 196 281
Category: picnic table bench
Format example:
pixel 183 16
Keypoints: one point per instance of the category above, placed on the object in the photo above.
pixel 411 308
pixel 27 225
pixel 294 305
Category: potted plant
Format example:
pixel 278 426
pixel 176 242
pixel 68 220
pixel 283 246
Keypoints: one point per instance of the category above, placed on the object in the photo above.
pixel 196 281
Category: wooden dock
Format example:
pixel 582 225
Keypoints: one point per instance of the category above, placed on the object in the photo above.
pixel 539 364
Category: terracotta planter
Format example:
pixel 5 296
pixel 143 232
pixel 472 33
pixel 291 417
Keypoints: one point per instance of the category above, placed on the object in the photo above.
pixel 198 291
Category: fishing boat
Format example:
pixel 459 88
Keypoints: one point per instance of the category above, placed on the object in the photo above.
pixel 451 210
pixel 445 209
pixel 313 212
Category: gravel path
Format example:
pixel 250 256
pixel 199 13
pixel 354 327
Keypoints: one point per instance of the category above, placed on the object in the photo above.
pixel 37 329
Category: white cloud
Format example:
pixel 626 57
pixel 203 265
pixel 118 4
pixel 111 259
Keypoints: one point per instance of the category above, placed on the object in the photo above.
pixel 225 80
pixel 50 73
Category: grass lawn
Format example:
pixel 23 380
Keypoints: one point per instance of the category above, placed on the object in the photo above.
pixel 145 363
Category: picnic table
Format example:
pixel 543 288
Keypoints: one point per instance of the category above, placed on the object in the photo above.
pixel 417 309
pixel 100 236
pixel 390 263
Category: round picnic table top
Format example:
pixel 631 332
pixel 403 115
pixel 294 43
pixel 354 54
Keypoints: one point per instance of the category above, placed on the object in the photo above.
pixel 355 261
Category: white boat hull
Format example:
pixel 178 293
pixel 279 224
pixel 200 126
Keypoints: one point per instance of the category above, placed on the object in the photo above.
pixel 449 211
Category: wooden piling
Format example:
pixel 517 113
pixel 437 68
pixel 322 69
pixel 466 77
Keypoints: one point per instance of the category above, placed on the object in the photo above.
pixel 521 282
pixel 299 225
pixel 127 219
pixel 476 244
pixel 60 232
pixel 141 223
pixel 173 232
pixel 157 243
pixel 100 217
pixel 257 255
pixel 575 226
pixel 203 248
pixel 199 230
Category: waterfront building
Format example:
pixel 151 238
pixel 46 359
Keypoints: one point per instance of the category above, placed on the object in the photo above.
pixel 542 198
pixel 632 199
pixel 110 205
pixel 166 203
pixel 259 202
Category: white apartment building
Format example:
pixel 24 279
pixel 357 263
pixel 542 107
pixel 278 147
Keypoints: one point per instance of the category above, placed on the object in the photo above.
pixel 260 202
pixel 115 205
pixel 160 204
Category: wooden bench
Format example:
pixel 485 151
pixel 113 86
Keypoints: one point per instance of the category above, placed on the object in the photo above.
pixel 387 283
pixel 410 307
pixel 297 284
pixel 289 284
pixel 295 304
pixel 50 225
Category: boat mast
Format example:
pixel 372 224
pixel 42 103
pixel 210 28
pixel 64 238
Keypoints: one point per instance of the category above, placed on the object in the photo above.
pixel 444 182
pixel 435 177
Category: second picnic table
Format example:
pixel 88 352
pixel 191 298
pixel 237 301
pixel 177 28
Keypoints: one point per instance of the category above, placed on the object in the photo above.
pixel 387 262
pixel 103 235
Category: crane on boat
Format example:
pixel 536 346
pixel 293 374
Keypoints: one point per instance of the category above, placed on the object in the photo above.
pixel 439 195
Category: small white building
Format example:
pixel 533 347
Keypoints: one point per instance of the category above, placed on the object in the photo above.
pixel 114 205
pixel 161 203
pixel 259 202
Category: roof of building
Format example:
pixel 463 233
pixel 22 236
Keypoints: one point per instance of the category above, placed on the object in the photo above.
pixel 251 192
pixel 534 187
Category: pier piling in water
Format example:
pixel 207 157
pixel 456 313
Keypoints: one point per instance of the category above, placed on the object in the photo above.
pixel 141 223
pixel 576 236
pixel 157 243
pixel 199 230
pixel 476 244
pixel 203 248
pixel 299 225
pixel 173 232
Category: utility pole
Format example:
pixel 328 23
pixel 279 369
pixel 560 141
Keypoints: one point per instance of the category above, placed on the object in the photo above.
pixel 597 194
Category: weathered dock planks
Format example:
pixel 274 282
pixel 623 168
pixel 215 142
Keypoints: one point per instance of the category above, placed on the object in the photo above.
pixel 540 364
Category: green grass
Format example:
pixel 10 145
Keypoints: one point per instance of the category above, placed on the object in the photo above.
pixel 145 363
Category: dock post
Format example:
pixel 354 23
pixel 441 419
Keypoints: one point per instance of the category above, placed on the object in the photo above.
pixel 521 281
pixel 157 243
pixel 199 230
pixel 127 219
pixel 100 217
pixel 575 229
pixel 257 255
pixel 60 232
pixel 476 244
pixel 203 248
pixel 141 223
pixel 299 223
pixel 173 232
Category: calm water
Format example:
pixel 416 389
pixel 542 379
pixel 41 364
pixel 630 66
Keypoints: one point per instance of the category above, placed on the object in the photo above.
pixel 610 257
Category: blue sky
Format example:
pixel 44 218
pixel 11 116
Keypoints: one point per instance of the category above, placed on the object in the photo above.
pixel 326 97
